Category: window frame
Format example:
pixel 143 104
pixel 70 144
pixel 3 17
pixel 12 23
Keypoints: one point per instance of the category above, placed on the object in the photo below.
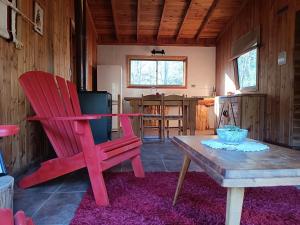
pixel 157 58
pixel 236 71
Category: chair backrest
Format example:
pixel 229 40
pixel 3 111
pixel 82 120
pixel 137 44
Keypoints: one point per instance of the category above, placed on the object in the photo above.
pixel 174 101
pixel 52 96
pixel 154 103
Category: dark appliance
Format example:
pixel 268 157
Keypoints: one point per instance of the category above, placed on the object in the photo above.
pixel 97 102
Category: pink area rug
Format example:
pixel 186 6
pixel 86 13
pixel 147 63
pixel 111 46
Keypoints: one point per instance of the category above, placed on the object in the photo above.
pixel 148 201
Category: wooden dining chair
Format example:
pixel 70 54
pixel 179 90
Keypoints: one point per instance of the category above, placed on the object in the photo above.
pixel 173 111
pixel 152 110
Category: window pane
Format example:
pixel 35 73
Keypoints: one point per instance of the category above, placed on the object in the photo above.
pixel 247 69
pixel 170 73
pixel 143 72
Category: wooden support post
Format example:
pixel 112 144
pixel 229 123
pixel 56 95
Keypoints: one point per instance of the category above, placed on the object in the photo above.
pixel 234 205
pixel 184 169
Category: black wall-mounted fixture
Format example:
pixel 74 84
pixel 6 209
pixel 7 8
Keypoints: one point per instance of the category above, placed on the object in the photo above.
pixel 80 32
pixel 154 52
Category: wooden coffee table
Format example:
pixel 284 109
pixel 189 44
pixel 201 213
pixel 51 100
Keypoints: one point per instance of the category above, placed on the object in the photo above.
pixel 277 166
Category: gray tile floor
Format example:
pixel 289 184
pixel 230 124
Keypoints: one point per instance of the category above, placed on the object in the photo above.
pixel 55 202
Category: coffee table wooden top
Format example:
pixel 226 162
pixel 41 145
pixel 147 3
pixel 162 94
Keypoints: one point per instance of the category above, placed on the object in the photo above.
pixel 277 166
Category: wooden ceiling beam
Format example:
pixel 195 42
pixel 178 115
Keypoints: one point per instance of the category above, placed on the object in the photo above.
pixel 187 10
pixel 138 18
pixel 150 40
pixel 161 19
pixel 206 18
pixel 115 20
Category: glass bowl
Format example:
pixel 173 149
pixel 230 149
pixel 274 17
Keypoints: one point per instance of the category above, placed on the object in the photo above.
pixel 232 135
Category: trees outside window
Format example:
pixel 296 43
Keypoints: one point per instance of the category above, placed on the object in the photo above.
pixel 247 70
pixel 157 72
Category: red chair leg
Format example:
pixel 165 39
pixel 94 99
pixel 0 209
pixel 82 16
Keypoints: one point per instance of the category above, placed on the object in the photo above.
pixel 137 166
pixel 99 189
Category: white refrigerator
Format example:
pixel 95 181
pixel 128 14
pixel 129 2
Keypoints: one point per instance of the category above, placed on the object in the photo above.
pixel 109 78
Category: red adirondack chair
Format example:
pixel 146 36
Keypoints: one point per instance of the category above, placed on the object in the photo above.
pixel 7 218
pixel 55 102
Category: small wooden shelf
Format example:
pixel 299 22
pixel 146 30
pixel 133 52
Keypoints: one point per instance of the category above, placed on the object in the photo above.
pixel 244 110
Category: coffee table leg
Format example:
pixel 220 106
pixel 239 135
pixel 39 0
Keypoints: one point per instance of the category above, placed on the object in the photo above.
pixel 234 205
pixel 184 169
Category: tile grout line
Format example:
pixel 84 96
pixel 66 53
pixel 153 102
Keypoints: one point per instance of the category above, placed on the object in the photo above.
pixel 67 192
pixel 164 165
pixel 47 199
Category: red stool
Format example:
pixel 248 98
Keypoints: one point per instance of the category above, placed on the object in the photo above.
pixel 20 218
pixel 6 215
pixel 8 130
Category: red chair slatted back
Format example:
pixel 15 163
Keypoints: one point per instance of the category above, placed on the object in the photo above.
pixel 126 126
pixel 52 96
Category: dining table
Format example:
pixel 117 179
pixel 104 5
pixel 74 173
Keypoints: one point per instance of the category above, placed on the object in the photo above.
pixel 189 120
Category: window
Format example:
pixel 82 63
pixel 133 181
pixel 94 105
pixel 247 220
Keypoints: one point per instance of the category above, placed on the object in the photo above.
pixel 152 71
pixel 247 70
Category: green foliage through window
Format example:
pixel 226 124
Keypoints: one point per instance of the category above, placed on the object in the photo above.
pixel 155 73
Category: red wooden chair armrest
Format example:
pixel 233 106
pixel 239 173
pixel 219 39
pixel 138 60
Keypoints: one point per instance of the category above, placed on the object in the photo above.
pixel 78 118
pixel 65 118
pixel 122 114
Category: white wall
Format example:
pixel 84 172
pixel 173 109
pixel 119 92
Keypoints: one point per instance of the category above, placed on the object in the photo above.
pixel 201 67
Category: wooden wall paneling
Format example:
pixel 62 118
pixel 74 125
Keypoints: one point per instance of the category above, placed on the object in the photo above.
pixel 253 115
pixel 49 52
pixel 285 78
pixel 296 103
pixel 276 22
pixel 291 42
pixel 270 88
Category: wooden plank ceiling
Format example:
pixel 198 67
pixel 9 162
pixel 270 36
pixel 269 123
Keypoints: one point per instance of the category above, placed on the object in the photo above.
pixel 161 22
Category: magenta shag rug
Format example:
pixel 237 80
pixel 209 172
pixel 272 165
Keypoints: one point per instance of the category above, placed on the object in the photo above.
pixel 148 201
